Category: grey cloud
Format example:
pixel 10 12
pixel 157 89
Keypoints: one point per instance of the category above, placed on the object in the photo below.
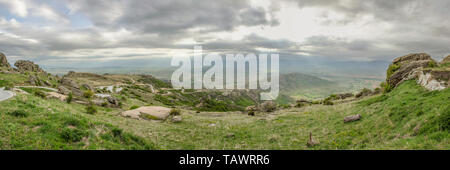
pixel 172 16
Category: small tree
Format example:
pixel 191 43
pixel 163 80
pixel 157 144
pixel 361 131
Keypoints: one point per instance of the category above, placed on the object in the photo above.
pixel 69 98
pixel 175 112
pixel 88 94
pixel 90 109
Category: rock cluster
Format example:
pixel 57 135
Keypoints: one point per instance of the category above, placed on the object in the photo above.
pixel 25 65
pixel 423 68
pixel 403 66
pixel 68 85
pixel 446 60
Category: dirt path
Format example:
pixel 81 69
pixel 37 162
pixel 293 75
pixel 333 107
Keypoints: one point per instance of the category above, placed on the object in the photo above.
pixel 5 94
pixel 39 87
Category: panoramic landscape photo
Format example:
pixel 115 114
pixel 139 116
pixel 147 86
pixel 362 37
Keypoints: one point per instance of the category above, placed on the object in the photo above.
pixel 224 75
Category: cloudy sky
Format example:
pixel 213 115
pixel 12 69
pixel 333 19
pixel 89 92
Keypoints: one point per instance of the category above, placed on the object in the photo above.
pixel 64 31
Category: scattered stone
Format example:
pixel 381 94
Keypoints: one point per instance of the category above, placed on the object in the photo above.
pixel 268 106
pixel 311 142
pixel 212 125
pixel 251 110
pixel 176 119
pixel 352 118
pixel 88 87
pixel 113 101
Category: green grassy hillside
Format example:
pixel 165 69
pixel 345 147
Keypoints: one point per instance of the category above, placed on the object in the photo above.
pixel 29 122
pixel 407 118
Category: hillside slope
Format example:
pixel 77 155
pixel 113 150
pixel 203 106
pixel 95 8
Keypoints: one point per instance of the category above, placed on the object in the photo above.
pixel 409 117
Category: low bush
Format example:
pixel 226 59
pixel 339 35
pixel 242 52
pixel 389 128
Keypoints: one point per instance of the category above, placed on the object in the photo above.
pixel 88 94
pixel 18 113
pixel 91 109
pixel 69 98
pixel 40 94
pixel 175 112
pixel 133 107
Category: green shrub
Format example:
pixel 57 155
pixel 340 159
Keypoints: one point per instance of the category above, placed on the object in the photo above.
pixel 40 94
pixel 327 102
pixel 444 120
pixel 432 64
pixel 392 69
pixel 175 112
pixel 72 135
pixel 8 87
pixel 104 104
pixel 299 104
pixel 18 113
pixel 88 94
pixel 133 107
pixel 117 132
pixel 69 98
pixel 91 109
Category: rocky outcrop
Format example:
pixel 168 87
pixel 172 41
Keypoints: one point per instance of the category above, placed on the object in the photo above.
pixel 88 87
pixel 431 79
pixel 4 61
pixel 34 80
pixel 421 67
pixel 402 67
pixel 25 66
pixel 69 85
pixel 412 57
pixel 446 60
pixel 63 90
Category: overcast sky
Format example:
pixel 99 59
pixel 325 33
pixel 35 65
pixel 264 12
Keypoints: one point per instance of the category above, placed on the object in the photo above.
pixel 105 30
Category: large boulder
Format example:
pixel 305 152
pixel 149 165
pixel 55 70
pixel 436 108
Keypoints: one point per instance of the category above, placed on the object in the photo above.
pixel 70 85
pixel 63 90
pixel 148 112
pixel 402 67
pixel 113 101
pixel 25 65
pixel 4 61
pixel 54 95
